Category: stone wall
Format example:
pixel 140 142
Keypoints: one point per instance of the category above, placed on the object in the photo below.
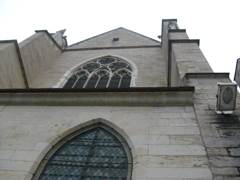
pixel 149 62
pixel 189 58
pixel 165 141
pixel 220 133
pixel 38 53
pixel 10 70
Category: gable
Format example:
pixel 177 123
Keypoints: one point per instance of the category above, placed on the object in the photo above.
pixel 116 38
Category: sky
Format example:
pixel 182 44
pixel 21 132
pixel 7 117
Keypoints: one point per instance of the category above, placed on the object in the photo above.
pixel 215 22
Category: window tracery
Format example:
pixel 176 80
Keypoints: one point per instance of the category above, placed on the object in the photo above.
pixel 105 72
pixel 93 155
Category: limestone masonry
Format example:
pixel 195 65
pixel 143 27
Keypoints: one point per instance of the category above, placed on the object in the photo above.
pixel 165 120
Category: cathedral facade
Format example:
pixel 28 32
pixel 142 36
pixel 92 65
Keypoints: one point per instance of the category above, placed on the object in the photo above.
pixel 119 105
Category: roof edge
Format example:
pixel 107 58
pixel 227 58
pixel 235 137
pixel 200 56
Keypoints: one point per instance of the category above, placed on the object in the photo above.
pixel 111 31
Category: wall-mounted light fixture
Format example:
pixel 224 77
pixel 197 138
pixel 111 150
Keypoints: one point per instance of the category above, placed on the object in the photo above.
pixel 226 98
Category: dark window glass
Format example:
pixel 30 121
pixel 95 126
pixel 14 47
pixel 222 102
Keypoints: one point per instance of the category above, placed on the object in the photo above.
pixel 81 81
pixel 93 155
pixel 97 73
pixel 103 82
pixel 126 80
pixel 115 40
pixel 70 82
pixel 92 82
pixel 114 82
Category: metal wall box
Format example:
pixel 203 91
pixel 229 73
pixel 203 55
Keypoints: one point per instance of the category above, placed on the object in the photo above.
pixel 226 98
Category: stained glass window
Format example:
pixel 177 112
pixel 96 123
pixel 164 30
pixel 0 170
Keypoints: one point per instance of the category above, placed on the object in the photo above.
pixel 94 155
pixel 101 73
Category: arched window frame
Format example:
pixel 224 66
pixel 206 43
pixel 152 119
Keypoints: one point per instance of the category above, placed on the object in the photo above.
pixel 70 72
pixel 79 132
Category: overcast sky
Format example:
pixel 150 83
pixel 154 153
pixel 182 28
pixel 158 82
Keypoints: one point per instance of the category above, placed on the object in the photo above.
pixel 215 22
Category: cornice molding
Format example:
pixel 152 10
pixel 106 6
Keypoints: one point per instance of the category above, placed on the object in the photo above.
pixel 182 41
pixel 178 96
pixel 176 30
pixel 119 47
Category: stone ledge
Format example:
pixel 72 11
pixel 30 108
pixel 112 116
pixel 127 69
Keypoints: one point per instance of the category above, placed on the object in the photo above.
pixel 182 41
pixel 118 47
pixel 176 30
pixel 98 97
pixel 206 75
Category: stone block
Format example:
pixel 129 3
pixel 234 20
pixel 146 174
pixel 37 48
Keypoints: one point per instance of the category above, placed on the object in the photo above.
pixel 150 139
pixel 183 122
pixel 179 173
pixel 191 140
pixel 140 150
pixel 221 142
pixel 225 171
pixel 229 132
pixel 217 151
pixel 18 166
pixel 174 130
pixel 34 156
pixel 43 147
pixel 189 109
pixel 6 154
pixel 188 115
pixel 209 133
pixel 14 145
pixel 150 161
pixel 176 150
pixel 171 115
pixel 15 175
pixel 187 161
pixel 225 161
pixel 234 151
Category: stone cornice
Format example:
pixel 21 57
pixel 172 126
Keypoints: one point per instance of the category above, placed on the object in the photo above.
pixel 181 41
pixel 206 75
pixel 178 96
pixel 119 47
pixel 176 30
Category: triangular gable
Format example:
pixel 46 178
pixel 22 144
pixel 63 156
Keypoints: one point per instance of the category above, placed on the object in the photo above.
pixel 125 38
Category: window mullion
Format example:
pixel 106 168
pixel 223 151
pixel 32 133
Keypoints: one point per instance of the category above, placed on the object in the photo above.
pixel 99 77
pixel 75 82
pixel 109 80
pixel 120 81
pixel 89 77
pixel 90 153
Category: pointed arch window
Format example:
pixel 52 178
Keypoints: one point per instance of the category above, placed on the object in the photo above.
pixel 105 72
pixel 93 155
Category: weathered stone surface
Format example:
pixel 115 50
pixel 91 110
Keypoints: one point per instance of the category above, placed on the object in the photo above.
pixel 185 140
pixel 221 142
pixel 203 173
pixel 176 150
pixel 217 151
pixel 229 132
pixel 18 166
pixel 174 130
pixel 225 161
pixel 225 171
pixel 183 122
pixel 15 175
pixel 170 161
pixel 234 151
pixel 6 154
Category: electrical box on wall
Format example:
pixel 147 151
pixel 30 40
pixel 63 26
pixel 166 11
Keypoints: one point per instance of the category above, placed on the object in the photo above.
pixel 226 98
